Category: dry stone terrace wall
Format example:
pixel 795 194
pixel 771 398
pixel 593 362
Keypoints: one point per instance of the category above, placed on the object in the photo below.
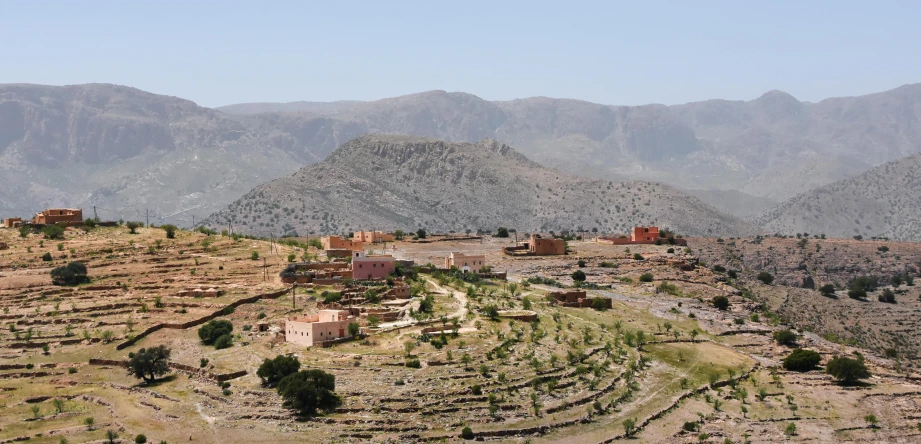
pixel 201 320
pixel 193 371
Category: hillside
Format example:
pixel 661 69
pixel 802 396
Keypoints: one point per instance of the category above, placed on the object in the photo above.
pixel 391 182
pixel 881 202
pixel 288 107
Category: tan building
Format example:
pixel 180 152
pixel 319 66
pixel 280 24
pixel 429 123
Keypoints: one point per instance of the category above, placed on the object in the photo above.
pixel 539 246
pixel 326 325
pixel 55 215
pixel 464 262
pixel 371 237
pixel 338 243
pixel 12 222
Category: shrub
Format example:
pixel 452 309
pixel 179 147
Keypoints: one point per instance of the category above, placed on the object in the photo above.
pixel 308 391
pixel 292 257
pixel 578 276
pixel 149 363
pixel 882 249
pixel 801 360
pixel 637 256
pixel 581 263
pixel 53 232
pixel 827 290
pixel 732 274
pixel 690 426
pixel 214 329
pixel 785 337
pixel 140 439
pixel 847 370
pixel 47 257
pixel 133 227
pixel 476 389
pixel 719 268
pixel 670 251
pixel 858 287
pixel 721 302
pixel 599 304
pixel 765 277
pixel 502 232
pixel 354 329
pixel 254 256
pixel 466 433
pixel 272 371
pixel 646 277
pixel 223 341
pixel 170 230
pixel 72 274
pixel 887 296
pixel 413 363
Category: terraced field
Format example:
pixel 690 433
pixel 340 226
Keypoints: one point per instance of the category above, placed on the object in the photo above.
pixel 663 357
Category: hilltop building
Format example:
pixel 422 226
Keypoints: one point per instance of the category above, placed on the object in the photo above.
pixel 464 262
pixel 326 325
pixel 540 246
pixel 12 222
pixel 372 237
pixel 55 215
pixel 338 243
pixel 644 236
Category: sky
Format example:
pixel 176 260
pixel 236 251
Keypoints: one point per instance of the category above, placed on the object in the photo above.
pixel 611 52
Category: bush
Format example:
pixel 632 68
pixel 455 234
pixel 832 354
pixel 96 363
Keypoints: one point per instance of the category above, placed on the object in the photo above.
pixel 170 230
pixel 254 256
pixel 578 276
pixel 272 371
pixel 47 257
pixel 210 332
pixel 719 268
pixel 801 360
pixel 827 290
pixel 223 341
pixel 308 391
pixel 133 227
pixel 477 390
pixel 354 329
pixel 732 274
pixel 690 426
pixel 637 256
pixel 149 363
pixel 765 278
pixel 670 251
pixel 413 363
pixel 785 337
pixel 887 296
pixel 502 232
pixel 53 232
pixel 581 263
pixel 858 287
pixel 646 277
pixel 847 370
pixel 466 433
pixel 72 274
pixel 721 302
pixel 140 439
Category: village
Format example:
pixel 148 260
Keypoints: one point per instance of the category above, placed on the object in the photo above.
pixel 439 338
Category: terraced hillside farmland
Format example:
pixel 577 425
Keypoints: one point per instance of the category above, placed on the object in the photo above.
pixel 663 365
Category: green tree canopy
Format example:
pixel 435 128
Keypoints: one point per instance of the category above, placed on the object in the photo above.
pixel 309 391
pixel 847 370
pixel 148 363
pixel 801 360
pixel 214 329
pixel 272 371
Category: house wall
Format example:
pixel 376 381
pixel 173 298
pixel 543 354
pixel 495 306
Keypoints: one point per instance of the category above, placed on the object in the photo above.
pixel 547 247
pixel 55 215
pixel 372 267
pixel 338 243
pixel 12 222
pixel 644 234
pixel 464 262
pixel 372 236
pixel 326 325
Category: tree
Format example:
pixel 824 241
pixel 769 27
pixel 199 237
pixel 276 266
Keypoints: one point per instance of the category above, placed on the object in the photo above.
pixel 599 304
pixel 53 232
pixel 801 360
pixel 111 436
pixel 466 433
pixel 502 232
pixel 827 290
pixel 133 227
pixel 637 256
pixel 420 233
pixel 399 235
pixel 354 329
pixel 578 276
pixel 721 302
pixel 308 391
pixel 148 363
pixel 765 278
pixel 858 287
pixel 254 256
pixel 629 426
pixel 790 430
pixel 140 439
pixel 58 404
pixel 88 422
pixel 214 329
pixel 170 230
pixel 272 371
pixel 646 277
pixel 785 337
pixel 847 370
pixel 47 257
pixel 72 274
pixel 223 341
pixel 491 312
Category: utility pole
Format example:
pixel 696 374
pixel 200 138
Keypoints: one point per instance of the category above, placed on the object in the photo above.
pixel 293 296
pixel 265 272
pixel 95 216
pixel 193 221
pixel 148 218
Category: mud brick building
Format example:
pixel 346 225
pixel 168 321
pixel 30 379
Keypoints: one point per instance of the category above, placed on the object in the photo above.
pixel 326 325
pixel 372 237
pixel 464 262
pixel 55 215
pixel 366 267
pixel 540 246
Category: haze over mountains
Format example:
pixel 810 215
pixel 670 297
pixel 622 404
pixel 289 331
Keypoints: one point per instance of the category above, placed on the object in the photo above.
pixel 128 151
pixel 401 182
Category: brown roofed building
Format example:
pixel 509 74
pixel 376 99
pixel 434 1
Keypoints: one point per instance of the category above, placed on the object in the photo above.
pixel 12 222
pixel 55 215
pixel 540 246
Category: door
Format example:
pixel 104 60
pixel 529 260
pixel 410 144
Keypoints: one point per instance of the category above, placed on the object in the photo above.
pixel 341 333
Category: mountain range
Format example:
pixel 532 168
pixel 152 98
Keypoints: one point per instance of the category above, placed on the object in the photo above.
pixel 400 182
pixel 127 151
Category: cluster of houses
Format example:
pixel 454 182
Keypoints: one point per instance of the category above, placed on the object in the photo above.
pixel 70 216
pixel 645 236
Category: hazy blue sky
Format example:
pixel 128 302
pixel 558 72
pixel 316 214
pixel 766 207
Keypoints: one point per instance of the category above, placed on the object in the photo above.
pixel 218 53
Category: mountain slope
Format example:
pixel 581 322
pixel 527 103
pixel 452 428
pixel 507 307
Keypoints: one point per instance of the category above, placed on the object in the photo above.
pixel 288 107
pixel 881 202
pixel 390 182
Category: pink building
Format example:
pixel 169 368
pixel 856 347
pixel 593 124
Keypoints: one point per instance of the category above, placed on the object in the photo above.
pixel 326 325
pixel 372 267
pixel 644 234
pixel 465 263
pixel 371 237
